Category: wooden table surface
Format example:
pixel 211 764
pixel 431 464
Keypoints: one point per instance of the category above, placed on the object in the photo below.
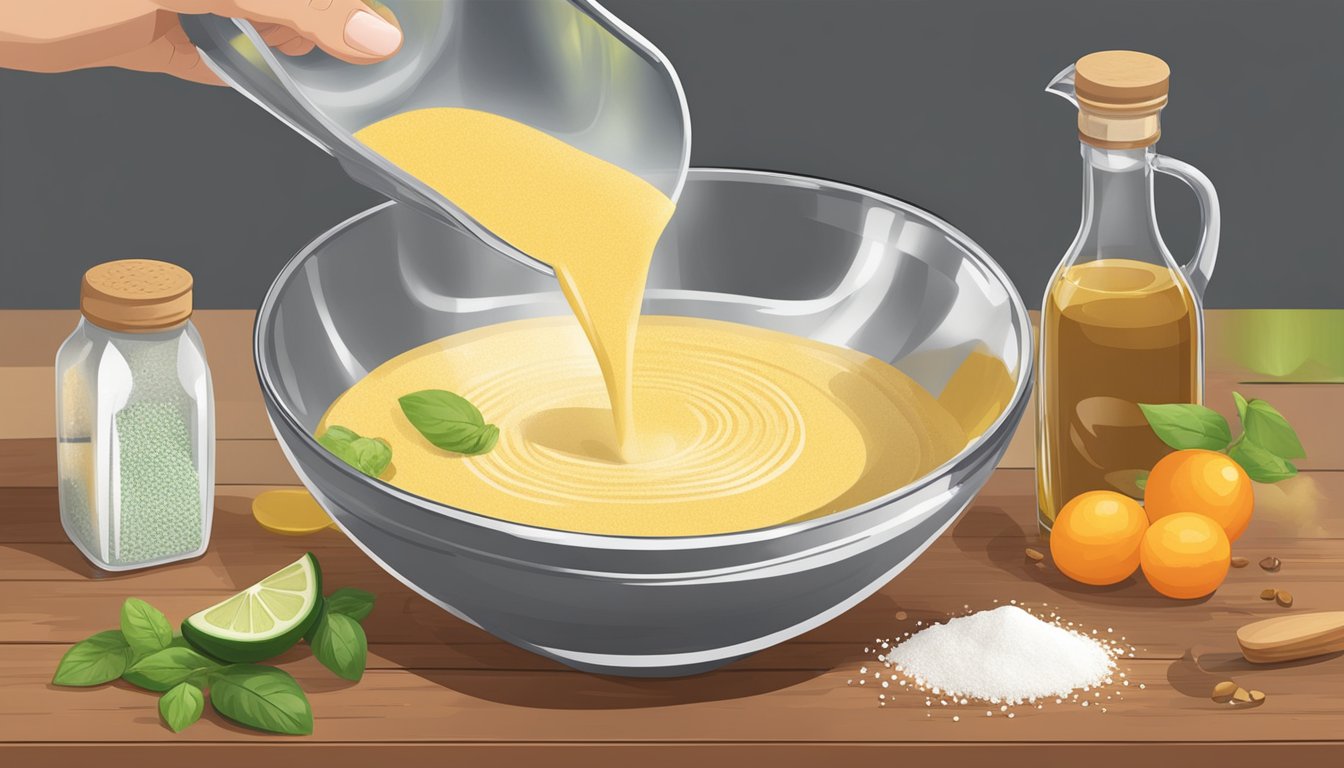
pixel 441 692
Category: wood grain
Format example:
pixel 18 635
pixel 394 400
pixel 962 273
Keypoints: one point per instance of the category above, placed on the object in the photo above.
pixel 659 754
pixel 731 705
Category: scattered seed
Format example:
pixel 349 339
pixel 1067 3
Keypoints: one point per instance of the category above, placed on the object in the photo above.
pixel 1268 594
pixel 1271 564
pixel 1223 691
pixel 1240 562
pixel 1035 555
pixel 902 615
pixel 1241 695
pixel 1284 598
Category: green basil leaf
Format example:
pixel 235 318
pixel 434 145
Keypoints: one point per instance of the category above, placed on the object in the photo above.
pixel 1267 428
pixel 355 603
pixel 162 670
pixel 144 627
pixel 1260 464
pixel 449 422
pixel 94 661
pixel 339 643
pixel 264 698
pixel 340 434
pixel 181 706
pixel 1241 406
pixel 369 455
pixel 1186 425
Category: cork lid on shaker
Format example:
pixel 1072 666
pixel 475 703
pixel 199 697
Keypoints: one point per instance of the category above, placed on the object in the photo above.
pixel 136 295
pixel 1120 98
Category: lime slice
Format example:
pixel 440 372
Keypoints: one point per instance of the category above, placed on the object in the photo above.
pixel 291 512
pixel 264 620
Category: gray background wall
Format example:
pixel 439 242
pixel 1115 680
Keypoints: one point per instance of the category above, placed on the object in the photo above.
pixel 935 101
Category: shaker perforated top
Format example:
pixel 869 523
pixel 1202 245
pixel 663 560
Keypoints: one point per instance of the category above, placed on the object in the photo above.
pixel 136 295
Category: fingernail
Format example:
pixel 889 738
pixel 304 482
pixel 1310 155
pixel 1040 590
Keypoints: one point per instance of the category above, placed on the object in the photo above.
pixel 371 34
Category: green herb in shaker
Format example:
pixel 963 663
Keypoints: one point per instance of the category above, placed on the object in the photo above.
pixel 135 419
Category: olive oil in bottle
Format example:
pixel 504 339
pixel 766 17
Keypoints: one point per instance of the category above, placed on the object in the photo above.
pixel 1121 322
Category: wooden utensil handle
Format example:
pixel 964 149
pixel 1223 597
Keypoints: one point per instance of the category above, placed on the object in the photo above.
pixel 1298 636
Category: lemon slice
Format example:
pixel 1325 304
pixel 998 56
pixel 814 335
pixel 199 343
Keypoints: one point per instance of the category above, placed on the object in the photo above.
pixel 262 621
pixel 290 512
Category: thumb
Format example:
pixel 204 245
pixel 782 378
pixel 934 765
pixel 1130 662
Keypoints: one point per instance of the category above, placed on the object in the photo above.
pixel 347 29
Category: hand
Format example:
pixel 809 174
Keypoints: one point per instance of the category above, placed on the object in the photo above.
pixel 145 35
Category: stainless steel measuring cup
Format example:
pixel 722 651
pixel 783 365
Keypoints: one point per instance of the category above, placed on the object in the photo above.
pixel 565 67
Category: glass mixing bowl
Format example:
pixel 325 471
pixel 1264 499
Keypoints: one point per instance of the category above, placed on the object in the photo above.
pixel 810 257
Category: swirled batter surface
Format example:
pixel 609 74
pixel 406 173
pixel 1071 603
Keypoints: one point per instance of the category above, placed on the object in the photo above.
pixel 737 428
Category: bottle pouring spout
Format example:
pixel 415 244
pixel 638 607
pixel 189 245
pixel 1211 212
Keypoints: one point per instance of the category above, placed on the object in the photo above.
pixel 1123 94
pixel 1062 85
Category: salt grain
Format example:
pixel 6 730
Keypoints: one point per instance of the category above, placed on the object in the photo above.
pixel 1005 654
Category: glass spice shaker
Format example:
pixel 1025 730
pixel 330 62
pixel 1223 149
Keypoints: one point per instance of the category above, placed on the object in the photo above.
pixel 135 420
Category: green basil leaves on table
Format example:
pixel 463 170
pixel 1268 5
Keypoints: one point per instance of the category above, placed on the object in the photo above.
pixel 369 455
pixel 1260 464
pixel 144 627
pixel 162 670
pixel 1187 425
pixel 94 661
pixel 339 643
pixel 1241 406
pixel 355 603
pixel 181 706
pixel 449 421
pixel 1267 428
pixel 260 697
pixel 147 653
pixel 1264 448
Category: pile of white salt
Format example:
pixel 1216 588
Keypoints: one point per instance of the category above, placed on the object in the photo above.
pixel 1004 656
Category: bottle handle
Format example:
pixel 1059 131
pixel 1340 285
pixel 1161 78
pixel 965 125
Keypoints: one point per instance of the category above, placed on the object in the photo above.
pixel 1200 268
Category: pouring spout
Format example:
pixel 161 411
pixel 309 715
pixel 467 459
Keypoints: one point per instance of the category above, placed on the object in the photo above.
pixel 1062 85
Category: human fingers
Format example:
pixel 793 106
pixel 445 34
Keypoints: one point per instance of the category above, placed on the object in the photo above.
pixel 347 29
pixel 169 52
pixel 287 40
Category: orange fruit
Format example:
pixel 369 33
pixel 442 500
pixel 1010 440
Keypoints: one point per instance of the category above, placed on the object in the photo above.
pixel 1185 555
pixel 1205 482
pixel 1095 539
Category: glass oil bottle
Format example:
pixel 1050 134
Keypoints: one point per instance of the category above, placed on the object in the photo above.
pixel 1121 321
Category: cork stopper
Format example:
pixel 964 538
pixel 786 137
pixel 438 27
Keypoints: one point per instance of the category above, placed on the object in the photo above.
pixel 1120 98
pixel 136 295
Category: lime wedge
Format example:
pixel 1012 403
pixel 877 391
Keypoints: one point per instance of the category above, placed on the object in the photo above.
pixel 264 620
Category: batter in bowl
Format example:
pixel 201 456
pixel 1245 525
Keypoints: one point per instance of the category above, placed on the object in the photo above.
pixel 688 427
